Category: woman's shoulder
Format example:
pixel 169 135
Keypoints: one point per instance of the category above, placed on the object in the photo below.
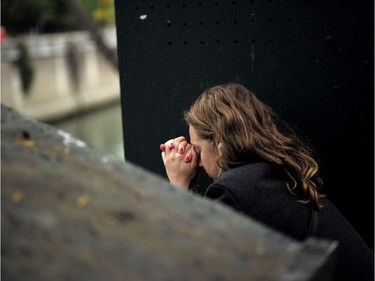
pixel 251 173
pixel 258 190
pixel 260 181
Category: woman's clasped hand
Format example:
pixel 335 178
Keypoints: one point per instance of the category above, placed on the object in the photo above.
pixel 180 160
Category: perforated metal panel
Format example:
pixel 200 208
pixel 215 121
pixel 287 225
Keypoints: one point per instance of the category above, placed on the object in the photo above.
pixel 312 61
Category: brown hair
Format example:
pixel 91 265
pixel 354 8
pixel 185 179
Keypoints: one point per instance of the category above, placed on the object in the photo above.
pixel 248 129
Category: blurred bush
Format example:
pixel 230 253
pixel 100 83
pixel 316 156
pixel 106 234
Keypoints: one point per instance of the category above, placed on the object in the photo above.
pixel 104 13
pixel 48 16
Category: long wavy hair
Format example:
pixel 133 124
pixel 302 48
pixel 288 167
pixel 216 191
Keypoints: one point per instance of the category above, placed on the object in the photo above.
pixel 248 129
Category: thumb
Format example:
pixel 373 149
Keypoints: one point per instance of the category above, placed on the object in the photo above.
pixel 194 158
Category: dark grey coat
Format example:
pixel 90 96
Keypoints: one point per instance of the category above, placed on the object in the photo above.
pixel 259 191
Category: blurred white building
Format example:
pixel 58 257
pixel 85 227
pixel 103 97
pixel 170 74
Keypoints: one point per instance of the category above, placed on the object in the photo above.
pixel 69 74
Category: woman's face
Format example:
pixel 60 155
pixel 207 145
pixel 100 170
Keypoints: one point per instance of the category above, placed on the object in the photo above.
pixel 207 154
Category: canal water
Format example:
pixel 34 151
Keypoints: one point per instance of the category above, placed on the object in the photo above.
pixel 101 128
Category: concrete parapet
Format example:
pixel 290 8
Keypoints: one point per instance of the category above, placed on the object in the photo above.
pixel 70 212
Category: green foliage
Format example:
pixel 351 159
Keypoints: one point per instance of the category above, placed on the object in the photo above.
pixel 89 5
pixel 25 67
pixel 43 16
pixel 104 12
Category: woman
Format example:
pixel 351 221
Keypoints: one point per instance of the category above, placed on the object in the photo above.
pixel 260 168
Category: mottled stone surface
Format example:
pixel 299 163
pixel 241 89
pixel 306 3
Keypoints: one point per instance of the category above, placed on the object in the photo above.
pixel 70 212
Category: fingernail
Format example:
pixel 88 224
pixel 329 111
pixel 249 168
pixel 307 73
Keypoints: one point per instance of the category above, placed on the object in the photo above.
pixel 187 159
pixel 181 150
pixel 171 145
pixel 162 147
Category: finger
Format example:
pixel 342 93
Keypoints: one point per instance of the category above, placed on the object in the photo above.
pixel 171 145
pixel 189 156
pixel 162 147
pixel 178 140
pixel 163 156
pixel 182 146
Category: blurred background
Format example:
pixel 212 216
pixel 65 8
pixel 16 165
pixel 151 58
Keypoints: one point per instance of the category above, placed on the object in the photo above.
pixel 59 66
